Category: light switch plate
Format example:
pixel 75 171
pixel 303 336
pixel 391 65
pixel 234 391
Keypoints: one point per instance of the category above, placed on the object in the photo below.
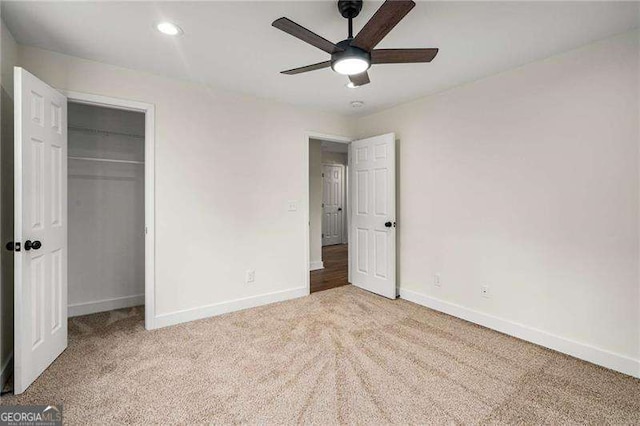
pixel 293 206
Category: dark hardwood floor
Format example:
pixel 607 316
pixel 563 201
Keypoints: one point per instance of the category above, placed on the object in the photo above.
pixel 336 268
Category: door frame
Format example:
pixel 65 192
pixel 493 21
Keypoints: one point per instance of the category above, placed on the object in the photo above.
pixel 149 187
pixel 343 171
pixel 307 139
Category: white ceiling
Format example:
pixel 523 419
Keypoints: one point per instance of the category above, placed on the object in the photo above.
pixel 232 44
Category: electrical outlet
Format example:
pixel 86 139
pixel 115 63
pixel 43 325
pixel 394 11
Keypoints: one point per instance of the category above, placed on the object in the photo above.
pixel 250 276
pixel 292 206
pixel 436 280
pixel 484 291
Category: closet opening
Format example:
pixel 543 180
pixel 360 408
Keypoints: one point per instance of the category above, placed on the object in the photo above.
pixel 106 209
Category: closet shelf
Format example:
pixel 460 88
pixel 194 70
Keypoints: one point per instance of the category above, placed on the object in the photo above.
pixel 105 160
pixel 104 132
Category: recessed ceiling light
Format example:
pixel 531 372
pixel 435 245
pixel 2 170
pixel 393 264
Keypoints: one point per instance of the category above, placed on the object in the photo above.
pixel 169 28
pixel 350 85
pixel 357 104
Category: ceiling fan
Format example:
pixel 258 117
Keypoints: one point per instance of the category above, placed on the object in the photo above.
pixel 354 55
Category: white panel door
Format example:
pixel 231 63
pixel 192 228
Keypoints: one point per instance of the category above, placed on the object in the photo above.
pixel 40 313
pixel 372 197
pixel 332 211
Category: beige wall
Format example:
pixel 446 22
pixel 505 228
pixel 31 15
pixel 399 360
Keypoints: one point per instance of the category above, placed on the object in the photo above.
pixel 9 53
pixel 8 58
pixel 315 203
pixel 222 190
pixel 527 182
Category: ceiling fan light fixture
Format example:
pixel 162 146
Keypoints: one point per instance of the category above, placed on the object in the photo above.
pixel 350 66
pixel 350 60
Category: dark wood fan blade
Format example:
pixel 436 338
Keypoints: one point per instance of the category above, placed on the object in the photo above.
pixel 360 79
pixel 300 32
pixel 318 66
pixel 390 13
pixel 402 56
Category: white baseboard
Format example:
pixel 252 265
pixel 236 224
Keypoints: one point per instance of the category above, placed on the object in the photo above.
pixel 207 311
pixel 579 350
pixel 6 370
pixel 87 308
pixel 315 265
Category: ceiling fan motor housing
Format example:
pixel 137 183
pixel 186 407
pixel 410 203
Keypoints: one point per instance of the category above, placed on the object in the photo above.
pixel 349 51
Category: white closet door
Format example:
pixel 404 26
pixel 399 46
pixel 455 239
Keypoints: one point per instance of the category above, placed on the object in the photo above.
pixel 40 315
pixel 372 202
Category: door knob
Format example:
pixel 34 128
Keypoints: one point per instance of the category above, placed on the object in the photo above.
pixel 388 224
pixel 28 245
pixel 11 246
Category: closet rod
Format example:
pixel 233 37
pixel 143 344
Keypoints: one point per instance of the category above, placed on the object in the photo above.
pixel 105 160
pixel 104 132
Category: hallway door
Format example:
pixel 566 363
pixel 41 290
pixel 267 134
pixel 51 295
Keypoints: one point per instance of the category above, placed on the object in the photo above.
pixel 332 200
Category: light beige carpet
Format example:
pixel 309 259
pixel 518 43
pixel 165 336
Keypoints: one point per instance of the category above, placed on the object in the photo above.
pixel 338 356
